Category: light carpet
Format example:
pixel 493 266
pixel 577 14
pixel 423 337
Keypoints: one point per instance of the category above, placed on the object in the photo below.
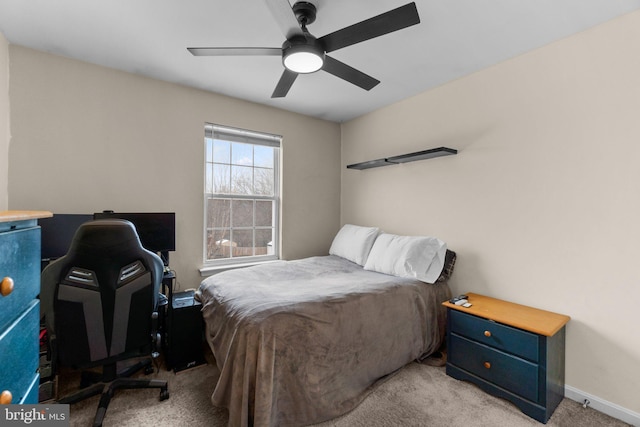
pixel 416 395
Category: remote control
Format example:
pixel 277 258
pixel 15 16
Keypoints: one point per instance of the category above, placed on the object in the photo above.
pixel 454 300
pixel 461 302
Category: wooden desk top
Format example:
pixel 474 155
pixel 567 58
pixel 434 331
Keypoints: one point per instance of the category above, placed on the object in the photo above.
pixel 8 216
pixel 520 316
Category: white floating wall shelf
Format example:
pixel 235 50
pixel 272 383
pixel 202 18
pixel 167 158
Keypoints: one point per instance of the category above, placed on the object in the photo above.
pixel 404 158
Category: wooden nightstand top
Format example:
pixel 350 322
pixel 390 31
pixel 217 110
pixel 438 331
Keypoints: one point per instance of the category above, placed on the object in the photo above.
pixel 520 316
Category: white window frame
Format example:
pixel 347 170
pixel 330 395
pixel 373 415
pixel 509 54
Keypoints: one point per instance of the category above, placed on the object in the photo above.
pixel 254 138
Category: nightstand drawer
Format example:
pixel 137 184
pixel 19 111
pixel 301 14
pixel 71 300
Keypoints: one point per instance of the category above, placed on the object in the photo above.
pixel 512 373
pixel 502 337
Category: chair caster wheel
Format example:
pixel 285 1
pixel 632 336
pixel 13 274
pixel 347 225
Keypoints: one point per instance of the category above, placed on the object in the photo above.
pixel 149 370
pixel 164 395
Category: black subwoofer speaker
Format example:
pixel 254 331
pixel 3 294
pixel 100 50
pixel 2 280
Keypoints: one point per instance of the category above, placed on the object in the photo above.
pixel 183 332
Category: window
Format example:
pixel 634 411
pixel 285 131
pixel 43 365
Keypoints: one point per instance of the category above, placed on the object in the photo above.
pixel 241 195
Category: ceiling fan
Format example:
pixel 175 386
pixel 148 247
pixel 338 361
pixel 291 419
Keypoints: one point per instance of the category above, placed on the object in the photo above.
pixel 303 53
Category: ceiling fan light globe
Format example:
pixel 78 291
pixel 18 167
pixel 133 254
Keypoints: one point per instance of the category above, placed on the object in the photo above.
pixel 303 62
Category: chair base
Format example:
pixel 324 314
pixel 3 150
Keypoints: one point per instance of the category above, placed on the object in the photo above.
pixel 109 381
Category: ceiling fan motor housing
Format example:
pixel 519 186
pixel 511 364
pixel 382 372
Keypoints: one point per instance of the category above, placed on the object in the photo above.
pixel 305 44
pixel 303 53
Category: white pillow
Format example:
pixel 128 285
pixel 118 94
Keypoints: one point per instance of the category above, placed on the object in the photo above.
pixel 414 257
pixel 354 242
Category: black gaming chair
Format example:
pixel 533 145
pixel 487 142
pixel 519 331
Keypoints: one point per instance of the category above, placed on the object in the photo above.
pixel 100 304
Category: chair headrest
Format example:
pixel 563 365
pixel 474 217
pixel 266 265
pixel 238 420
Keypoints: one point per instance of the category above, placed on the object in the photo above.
pixel 104 234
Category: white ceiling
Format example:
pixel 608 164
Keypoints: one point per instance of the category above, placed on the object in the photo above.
pixel 149 37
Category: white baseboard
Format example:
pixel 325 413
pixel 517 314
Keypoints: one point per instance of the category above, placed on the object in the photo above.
pixel 603 406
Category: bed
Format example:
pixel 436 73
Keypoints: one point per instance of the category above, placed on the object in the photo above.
pixel 300 342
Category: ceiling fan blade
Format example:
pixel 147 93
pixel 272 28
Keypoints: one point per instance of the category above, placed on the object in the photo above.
pixel 235 51
pixel 284 16
pixel 388 22
pixel 284 84
pixel 350 74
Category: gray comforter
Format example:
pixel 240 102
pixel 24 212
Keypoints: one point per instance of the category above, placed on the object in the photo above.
pixel 299 342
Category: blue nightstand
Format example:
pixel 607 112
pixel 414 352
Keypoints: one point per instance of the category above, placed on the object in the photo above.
pixel 510 351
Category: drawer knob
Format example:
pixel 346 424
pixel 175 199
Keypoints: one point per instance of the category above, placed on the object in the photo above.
pixel 487 365
pixel 6 287
pixel 5 397
pixel 487 334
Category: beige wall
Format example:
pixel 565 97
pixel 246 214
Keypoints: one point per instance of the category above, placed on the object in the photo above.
pixel 5 133
pixel 88 138
pixel 542 203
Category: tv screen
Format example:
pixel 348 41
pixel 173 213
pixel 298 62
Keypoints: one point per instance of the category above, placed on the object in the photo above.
pixel 57 233
pixel 157 230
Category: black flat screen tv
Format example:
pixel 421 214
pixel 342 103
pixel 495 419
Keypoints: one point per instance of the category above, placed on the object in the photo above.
pixel 57 233
pixel 157 230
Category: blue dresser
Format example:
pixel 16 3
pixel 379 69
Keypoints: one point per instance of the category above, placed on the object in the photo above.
pixel 509 350
pixel 19 306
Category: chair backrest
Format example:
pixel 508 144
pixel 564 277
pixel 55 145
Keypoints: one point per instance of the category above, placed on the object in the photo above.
pixel 99 298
